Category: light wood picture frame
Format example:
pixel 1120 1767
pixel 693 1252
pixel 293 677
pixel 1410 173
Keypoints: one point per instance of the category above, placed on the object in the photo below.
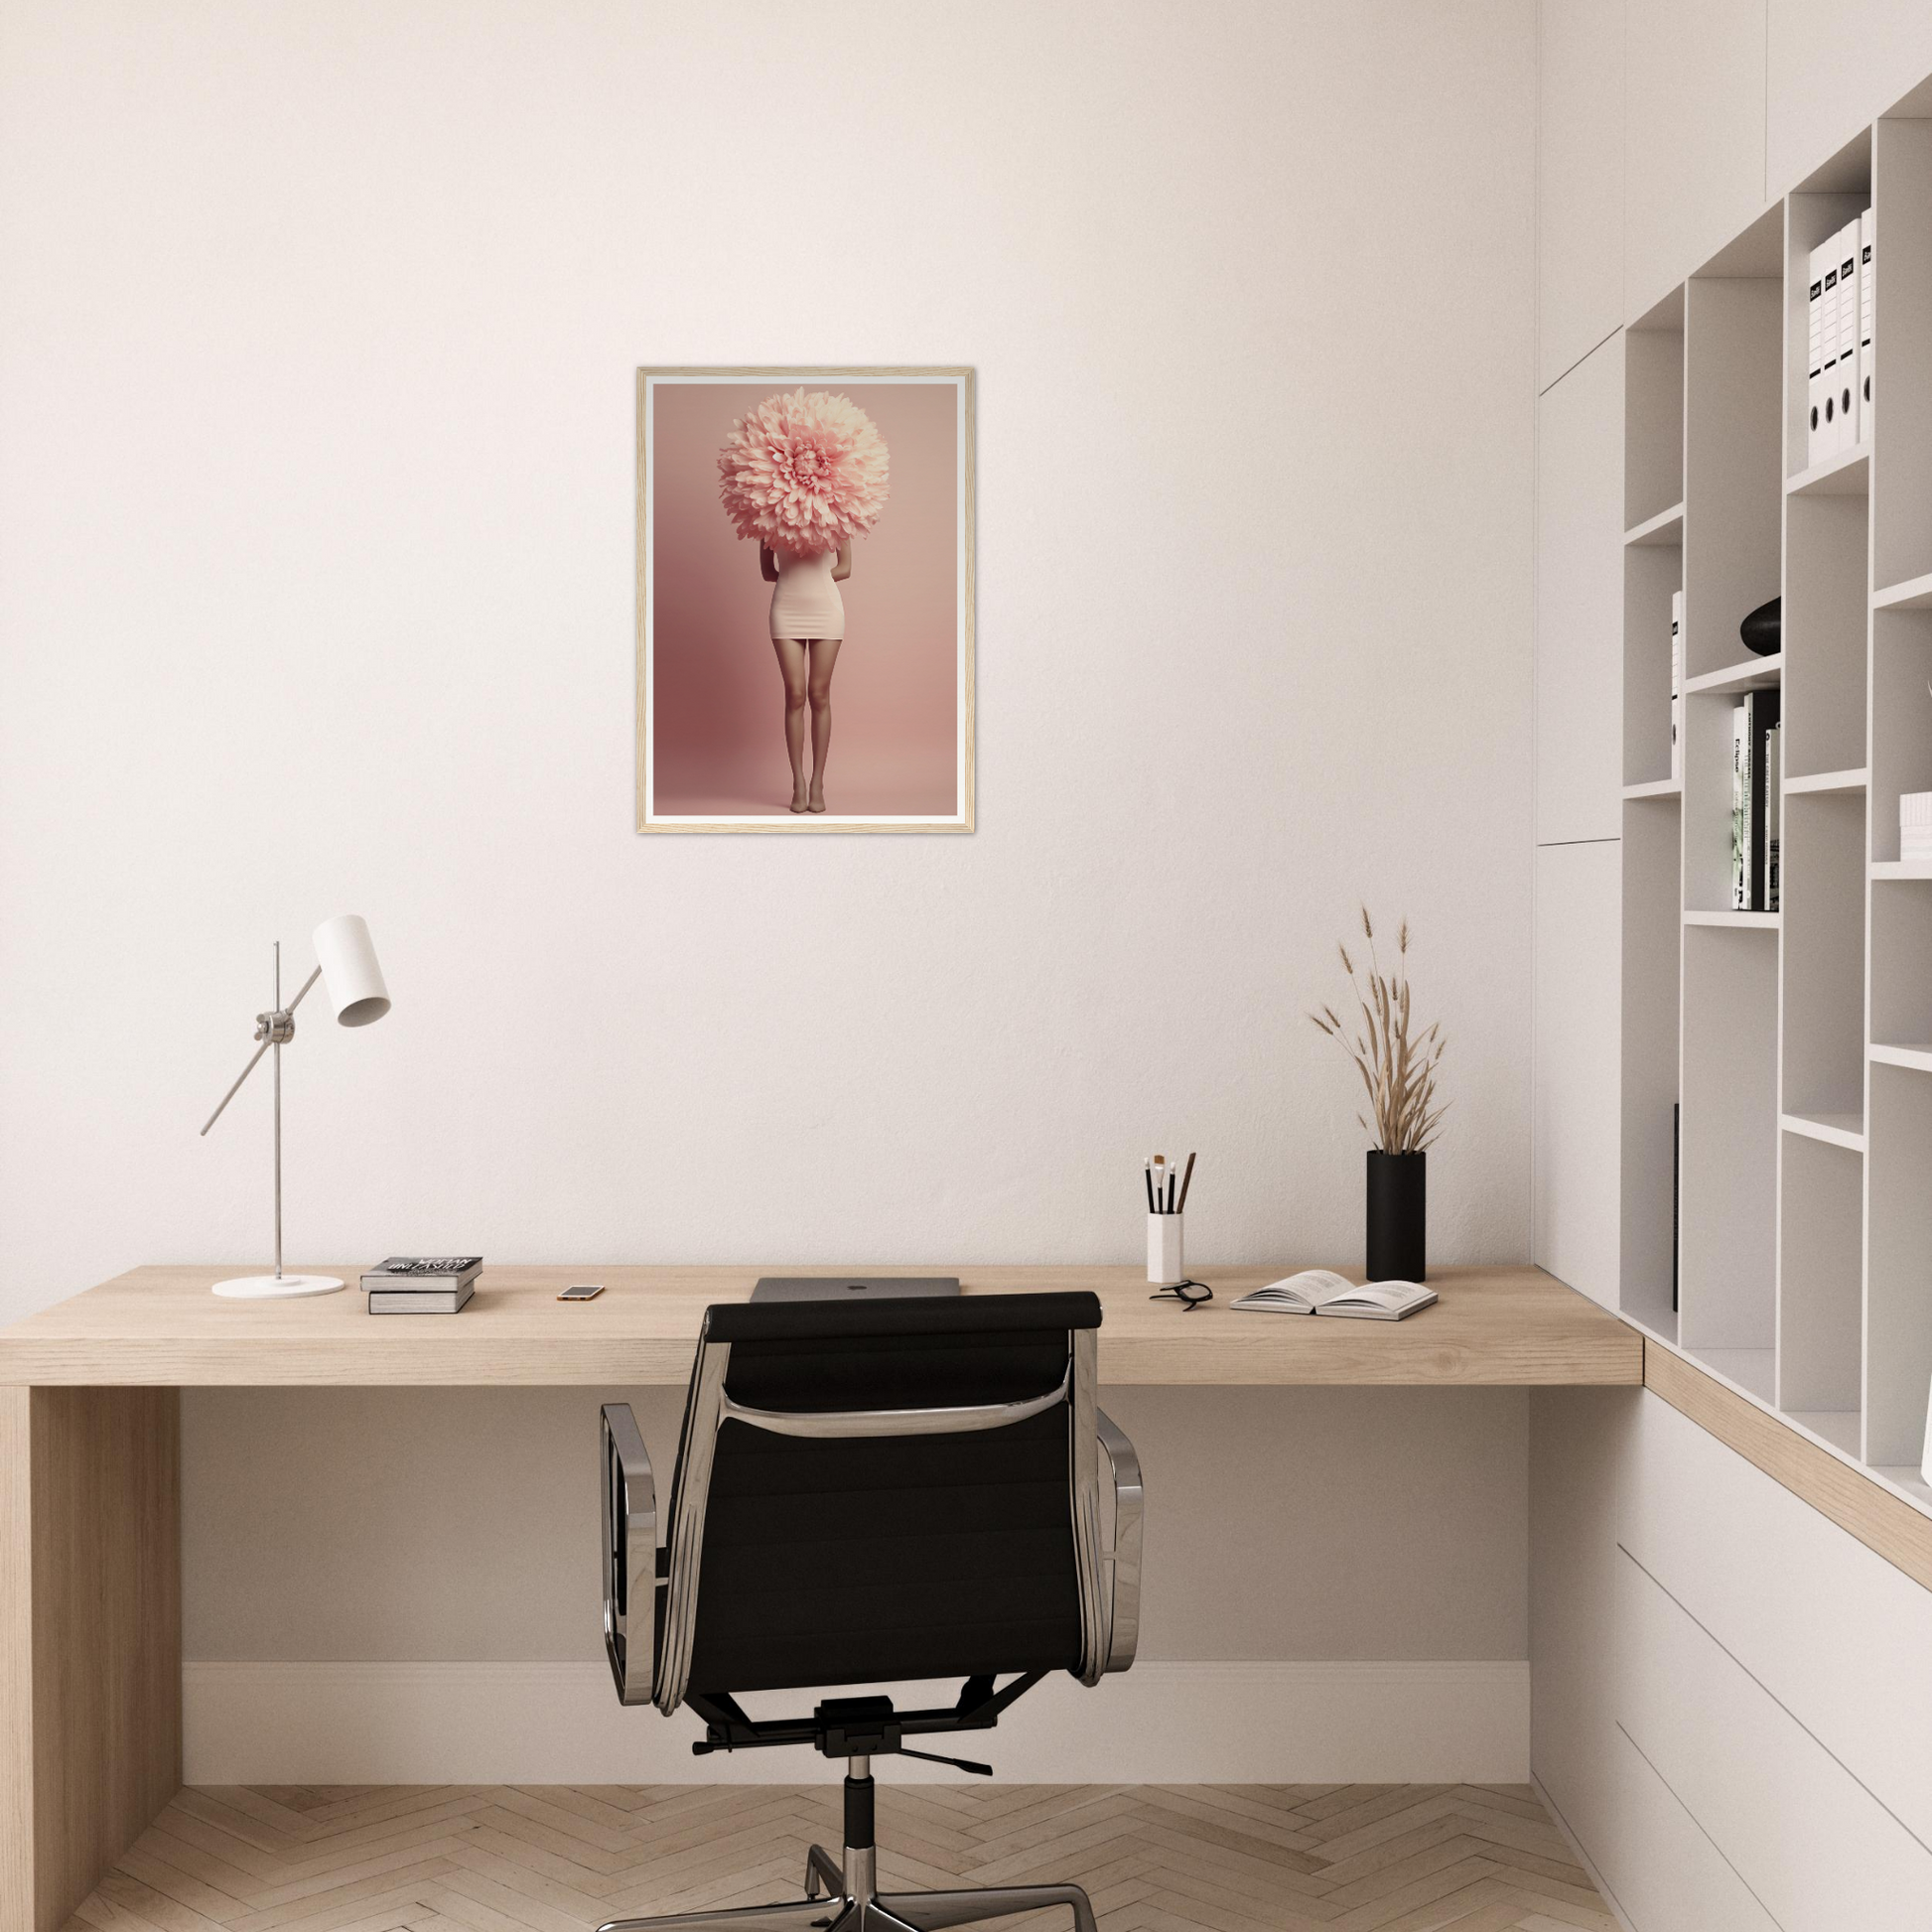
pixel 719 689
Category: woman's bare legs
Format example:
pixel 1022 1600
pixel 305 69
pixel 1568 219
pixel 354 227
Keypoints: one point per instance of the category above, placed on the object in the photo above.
pixel 825 654
pixel 793 665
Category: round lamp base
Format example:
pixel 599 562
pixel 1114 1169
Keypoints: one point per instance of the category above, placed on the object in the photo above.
pixel 276 1287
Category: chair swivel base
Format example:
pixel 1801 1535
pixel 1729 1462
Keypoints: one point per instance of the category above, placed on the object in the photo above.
pixel 848 1905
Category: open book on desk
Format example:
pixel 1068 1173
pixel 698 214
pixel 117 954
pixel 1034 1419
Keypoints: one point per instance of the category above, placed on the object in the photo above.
pixel 1321 1291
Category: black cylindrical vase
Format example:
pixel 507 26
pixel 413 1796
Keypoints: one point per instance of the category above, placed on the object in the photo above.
pixel 1397 1216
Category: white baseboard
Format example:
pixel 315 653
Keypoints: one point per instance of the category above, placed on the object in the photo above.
pixel 560 1723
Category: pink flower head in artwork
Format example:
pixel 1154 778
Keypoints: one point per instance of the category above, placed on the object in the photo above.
pixel 803 472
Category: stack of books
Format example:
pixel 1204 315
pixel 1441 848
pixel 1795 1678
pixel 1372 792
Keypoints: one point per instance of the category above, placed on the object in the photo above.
pixel 422 1284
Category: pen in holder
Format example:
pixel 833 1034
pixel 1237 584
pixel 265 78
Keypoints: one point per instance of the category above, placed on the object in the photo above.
pixel 1165 1265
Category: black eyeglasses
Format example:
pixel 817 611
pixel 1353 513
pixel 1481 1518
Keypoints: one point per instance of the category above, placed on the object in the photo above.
pixel 1191 1294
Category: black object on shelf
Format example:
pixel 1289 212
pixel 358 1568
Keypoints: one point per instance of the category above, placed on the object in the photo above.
pixel 1397 1216
pixel 1676 1193
pixel 1764 631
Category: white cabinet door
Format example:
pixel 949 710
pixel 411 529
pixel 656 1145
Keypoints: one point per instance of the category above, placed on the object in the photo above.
pixel 1579 602
pixel 1693 137
pixel 1782 1587
pixel 1835 64
pixel 1579 180
pixel 1574 1201
pixel 1661 1868
pixel 1815 1846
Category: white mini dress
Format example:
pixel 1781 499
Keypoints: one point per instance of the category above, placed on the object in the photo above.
pixel 805 602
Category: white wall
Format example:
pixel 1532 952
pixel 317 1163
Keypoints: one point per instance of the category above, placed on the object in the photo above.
pixel 317 341
pixel 316 462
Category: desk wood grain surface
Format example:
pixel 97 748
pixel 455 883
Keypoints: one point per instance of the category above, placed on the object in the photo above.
pixel 158 1327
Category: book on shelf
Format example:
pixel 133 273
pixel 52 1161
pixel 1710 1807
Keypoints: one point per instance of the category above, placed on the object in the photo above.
pixel 1773 812
pixel 1760 719
pixel 1321 1291
pixel 1676 687
pixel 1751 723
pixel 1824 267
pixel 1740 811
pixel 1815 357
pixel 420 1301
pixel 1867 301
pixel 1676 1193
pixel 1847 395
pixel 422 1273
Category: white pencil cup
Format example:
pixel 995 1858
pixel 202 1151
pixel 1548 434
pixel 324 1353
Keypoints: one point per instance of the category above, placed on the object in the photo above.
pixel 1164 1249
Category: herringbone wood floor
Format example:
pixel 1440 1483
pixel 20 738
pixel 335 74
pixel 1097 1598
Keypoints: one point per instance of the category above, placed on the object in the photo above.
pixel 560 1857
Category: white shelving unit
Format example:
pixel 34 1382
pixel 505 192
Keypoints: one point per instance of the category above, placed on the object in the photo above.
pixel 1797 1043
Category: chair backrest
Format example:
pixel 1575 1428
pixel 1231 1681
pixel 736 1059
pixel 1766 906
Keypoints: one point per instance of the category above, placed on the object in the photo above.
pixel 886 1491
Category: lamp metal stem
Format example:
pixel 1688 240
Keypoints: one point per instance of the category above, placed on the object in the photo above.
pixel 278 1116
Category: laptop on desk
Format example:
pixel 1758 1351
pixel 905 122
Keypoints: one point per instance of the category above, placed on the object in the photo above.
pixel 852 1288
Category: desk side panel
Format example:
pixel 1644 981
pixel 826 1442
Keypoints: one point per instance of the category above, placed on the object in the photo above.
pixel 16 1665
pixel 103 1540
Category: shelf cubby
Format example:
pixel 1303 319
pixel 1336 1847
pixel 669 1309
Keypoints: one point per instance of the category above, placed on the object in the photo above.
pixel 1902 719
pixel 1901 963
pixel 1730 1083
pixel 1823 921
pixel 1652 952
pixel 1652 573
pixel 1898 1310
pixel 1734 481
pixel 1653 435
pixel 1821 1257
pixel 1826 613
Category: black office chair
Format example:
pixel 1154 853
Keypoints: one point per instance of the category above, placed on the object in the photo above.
pixel 866 1494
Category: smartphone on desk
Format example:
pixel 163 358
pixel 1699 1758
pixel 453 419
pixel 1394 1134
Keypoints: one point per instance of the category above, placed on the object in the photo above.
pixel 582 1292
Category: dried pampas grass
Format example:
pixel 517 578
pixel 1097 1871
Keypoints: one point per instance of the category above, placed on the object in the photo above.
pixel 1399 1072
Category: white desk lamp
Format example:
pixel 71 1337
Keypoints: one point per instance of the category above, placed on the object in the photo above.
pixel 352 981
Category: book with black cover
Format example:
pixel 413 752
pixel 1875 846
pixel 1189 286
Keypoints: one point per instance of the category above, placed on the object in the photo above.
pixel 414 1273
pixel 1760 715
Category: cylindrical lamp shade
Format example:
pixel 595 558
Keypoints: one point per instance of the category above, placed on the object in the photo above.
pixel 349 975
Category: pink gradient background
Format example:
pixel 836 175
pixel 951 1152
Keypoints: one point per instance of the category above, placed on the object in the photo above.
pixel 716 705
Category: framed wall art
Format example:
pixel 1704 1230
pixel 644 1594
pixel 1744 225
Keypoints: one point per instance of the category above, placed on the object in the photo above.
pixel 804 600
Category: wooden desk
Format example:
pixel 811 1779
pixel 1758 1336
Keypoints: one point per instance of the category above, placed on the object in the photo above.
pixel 89 1461
pixel 161 1327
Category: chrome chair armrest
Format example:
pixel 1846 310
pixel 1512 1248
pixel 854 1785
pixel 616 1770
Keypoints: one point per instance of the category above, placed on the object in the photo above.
pixel 630 1555
pixel 1124 1558
pixel 841 1423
